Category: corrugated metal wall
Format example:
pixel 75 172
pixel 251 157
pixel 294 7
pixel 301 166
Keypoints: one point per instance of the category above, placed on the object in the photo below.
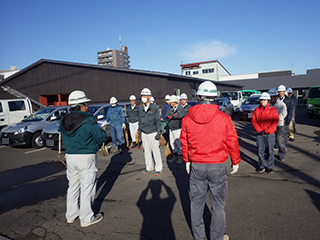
pixel 99 84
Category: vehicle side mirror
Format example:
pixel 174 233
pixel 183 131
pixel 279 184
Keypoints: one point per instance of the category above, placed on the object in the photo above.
pixel 99 117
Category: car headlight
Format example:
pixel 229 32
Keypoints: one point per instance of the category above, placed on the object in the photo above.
pixel 21 130
pixel 309 106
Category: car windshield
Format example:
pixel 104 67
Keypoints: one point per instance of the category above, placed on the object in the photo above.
pixel 230 95
pixel 39 115
pixel 93 109
pixel 314 92
pixel 252 100
pixel 246 94
pixel 219 102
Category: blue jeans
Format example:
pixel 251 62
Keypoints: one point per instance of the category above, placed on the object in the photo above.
pixel 117 135
pixel 212 177
pixel 265 144
pixel 281 139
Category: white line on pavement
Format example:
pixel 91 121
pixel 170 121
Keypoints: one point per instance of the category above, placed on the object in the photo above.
pixel 2 146
pixel 35 150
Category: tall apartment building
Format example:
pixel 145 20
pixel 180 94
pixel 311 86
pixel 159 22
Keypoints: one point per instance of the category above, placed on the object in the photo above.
pixel 210 70
pixel 114 58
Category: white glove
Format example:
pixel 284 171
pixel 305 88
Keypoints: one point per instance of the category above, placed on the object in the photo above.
pixel 188 167
pixel 235 169
pixel 123 125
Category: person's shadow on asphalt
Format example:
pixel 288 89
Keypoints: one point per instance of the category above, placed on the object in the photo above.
pixel 109 177
pixel 156 211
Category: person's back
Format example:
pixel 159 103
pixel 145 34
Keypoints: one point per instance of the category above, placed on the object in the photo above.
pixel 81 133
pixel 207 138
pixel 211 135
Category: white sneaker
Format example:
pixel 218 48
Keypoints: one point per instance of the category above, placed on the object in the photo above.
pixel 97 218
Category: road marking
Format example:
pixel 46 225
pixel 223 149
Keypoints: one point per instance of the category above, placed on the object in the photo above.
pixel 2 146
pixel 32 151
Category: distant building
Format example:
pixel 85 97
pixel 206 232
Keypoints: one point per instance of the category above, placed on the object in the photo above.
pixel 210 70
pixel 114 58
pixel 7 73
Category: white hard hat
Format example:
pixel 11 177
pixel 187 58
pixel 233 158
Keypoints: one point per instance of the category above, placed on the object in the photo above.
pixel 77 97
pixel 281 88
pixel 273 92
pixel 132 97
pixel 264 96
pixel 289 90
pixel 113 100
pixel 173 98
pixel 151 99
pixel 167 97
pixel 146 91
pixel 207 88
pixel 183 96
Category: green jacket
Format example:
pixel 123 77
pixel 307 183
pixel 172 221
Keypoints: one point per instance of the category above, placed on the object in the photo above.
pixel 149 121
pixel 175 116
pixel 81 134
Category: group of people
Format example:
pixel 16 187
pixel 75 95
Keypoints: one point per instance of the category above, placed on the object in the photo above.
pixel 274 122
pixel 201 136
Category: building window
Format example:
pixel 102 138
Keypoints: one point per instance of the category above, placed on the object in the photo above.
pixel 209 70
pixel 195 72
pixel 188 73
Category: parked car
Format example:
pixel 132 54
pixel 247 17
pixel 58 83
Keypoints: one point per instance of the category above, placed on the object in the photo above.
pixel 28 131
pixel 236 98
pixel 50 134
pixel 14 110
pixel 248 106
pixel 225 106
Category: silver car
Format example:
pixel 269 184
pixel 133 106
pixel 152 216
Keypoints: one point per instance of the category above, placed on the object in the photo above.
pixel 28 131
pixel 248 106
pixel 225 106
pixel 50 134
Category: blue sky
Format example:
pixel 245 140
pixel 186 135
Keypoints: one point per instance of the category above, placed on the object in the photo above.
pixel 245 36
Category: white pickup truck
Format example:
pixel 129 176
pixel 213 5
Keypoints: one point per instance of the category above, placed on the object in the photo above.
pixel 14 110
pixel 236 98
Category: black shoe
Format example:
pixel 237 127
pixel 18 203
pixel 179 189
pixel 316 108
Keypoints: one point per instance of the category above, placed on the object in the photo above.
pixel 133 145
pixel 139 145
pixel 261 170
pixel 270 171
pixel 291 139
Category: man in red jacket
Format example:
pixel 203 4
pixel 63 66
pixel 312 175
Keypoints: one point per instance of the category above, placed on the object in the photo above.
pixel 207 138
pixel 265 120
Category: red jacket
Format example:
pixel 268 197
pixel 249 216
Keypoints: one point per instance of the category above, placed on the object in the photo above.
pixel 265 119
pixel 208 136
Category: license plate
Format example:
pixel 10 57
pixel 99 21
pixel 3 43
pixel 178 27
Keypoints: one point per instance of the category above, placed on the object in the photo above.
pixel 5 141
pixel 49 142
pixel 249 115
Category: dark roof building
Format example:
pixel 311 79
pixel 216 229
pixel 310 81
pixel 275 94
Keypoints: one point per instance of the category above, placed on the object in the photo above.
pixel 50 82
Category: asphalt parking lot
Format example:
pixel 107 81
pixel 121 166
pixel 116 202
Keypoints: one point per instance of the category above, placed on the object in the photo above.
pixel 284 205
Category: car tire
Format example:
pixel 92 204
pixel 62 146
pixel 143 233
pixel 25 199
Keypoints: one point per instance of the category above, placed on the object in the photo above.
pixel 37 140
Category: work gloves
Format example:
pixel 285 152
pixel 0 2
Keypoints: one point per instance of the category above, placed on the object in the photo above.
pixel 157 137
pixel 188 167
pixel 235 169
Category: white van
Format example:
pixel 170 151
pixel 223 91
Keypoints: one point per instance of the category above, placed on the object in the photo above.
pixel 14 110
